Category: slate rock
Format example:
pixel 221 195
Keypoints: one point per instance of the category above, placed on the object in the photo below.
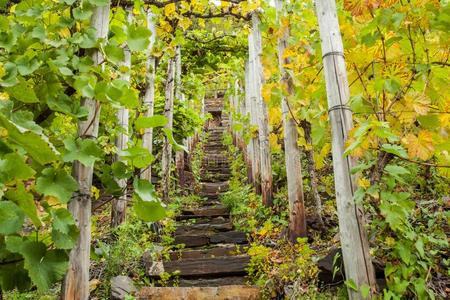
pixel 121 286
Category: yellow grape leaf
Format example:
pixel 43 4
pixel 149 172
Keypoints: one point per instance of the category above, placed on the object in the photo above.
pixel 420 146
pixel 64 33
pixel 363 182
pixel 273 141
pixel 4 96
pixel 274 115
pixel 185 23
pixel 169 10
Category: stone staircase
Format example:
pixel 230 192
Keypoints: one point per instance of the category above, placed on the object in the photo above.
pixel 212 263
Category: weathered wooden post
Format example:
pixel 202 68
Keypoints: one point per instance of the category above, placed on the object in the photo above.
pixel 297 218
pixel 76 282
pixel 149 97
pixel 168 113
pixel 261 111
pixel 119 204
pixel 354 243
pixel 179 155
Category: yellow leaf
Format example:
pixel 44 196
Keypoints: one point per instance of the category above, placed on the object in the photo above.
pixel 363 182
pixel 420 146
pixel 169 10
pixel 64 33
pixel 95 192
pixel 4 96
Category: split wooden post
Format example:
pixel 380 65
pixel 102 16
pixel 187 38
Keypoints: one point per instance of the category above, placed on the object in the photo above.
pixel 253 157
pixel 168 113
pixel 76 282
pixel 179 155
pixel 297 217
pixel 261 113
pixel 354 243
pixel 119 204
pixel 149 97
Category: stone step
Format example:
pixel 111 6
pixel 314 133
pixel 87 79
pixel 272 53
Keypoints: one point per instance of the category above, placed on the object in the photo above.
pixel 208 267
pixel 207 211
pixel 228 292
pixel 217 177
pixel 202 228
pixel 213 282
pixel 220 250
pixel 214 187
pixel 208 238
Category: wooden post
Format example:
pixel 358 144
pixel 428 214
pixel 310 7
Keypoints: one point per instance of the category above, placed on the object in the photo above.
pixel 179 156
pixel 168 113
pixel 252 156
pixel 354 243
pixel 119 204
pixel 261 114
pixel 149 97
pixel 76 282
pixel 297 218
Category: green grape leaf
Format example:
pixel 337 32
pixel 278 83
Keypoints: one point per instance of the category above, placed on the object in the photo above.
pixel 148 211
pixel 114 53
pixel 56 183
pixel 98 3
pixel 82 13
pixel 36 145
pixel 27 66
pixel 64 229
pixel 120 170
pixel 138 157
pixel 12 167
pixel 138 38
pixel 45 267
pixel 145 190
pixel 150 122
pixel 67 105
pixel 171 139
pixel 84 150
pixel 25 201
pixel 11 218
pixel 23 92
pixel 394 149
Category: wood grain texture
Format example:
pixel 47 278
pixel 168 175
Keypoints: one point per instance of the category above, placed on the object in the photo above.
pixel 355 246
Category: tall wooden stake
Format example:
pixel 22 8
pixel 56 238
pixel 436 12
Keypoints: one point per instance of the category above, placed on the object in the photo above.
pixel 168 113
pixel 262 118
pixel 76 282
pixel 253 145
pixel 354 243
pixel 149 97
pixel 297 219
pixel 119 204
pixel 179 156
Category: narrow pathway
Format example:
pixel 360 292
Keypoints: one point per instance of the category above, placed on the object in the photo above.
pixel 212 264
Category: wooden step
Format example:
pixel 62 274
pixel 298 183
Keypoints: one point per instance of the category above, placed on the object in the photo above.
pixel 228 292
pixel 213 282
pixel 222 250
pixel 208 267
pixel 202 228
pixel 207 211
pixel 207 238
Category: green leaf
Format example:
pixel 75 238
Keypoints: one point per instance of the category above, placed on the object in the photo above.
pixel 64 229
pixel 395 149
pixel 11 218
pixel 138 38
pixel 82 13
pixel 148 211
pixel 67 105
pixel 144 189
pixel 150 122
pixel 120 170
pixel 25 201
pixel 45 267
pixel 36 145
pixel 138 157
pixel 56 183
pixel 98 3
pixel 396 170
pixel 365 290
pixel 171 139
pixel 26 65
pixel 84 150
pixel 23 92
pixel 115 53
pixel 351 284
pixel 13 167
pixel 85 85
